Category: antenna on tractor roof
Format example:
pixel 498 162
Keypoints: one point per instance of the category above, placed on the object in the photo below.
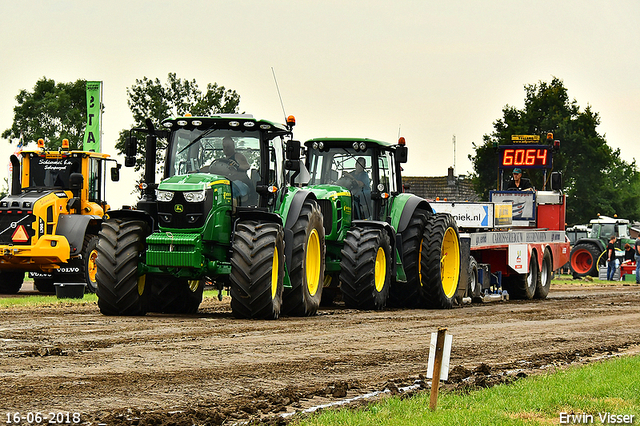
pixel 278 89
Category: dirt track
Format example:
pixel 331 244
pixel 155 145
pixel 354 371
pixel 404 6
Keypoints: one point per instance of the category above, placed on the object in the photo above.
pixel 213 368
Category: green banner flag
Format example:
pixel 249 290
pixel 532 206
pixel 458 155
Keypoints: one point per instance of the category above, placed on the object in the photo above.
pixel 93 132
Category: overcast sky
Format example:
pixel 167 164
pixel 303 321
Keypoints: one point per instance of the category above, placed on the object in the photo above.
pixel 427 70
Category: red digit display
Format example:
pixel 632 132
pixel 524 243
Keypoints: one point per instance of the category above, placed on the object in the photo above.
pixel 536 157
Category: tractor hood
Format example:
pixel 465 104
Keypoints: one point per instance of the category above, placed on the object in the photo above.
pixel 192 182
pixel 329 191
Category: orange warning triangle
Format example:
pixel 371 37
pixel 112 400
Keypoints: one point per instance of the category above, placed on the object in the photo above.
pixel 20 235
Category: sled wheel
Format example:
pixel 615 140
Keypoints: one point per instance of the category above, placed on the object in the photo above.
pixel 523 286
pixel 474 289
pixel 366 268
pixel 120 290
pixel 307 263
pixel 257 270
pixel 544 277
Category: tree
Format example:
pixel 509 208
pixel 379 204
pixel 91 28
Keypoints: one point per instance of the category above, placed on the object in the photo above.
pixel 596 178
pixel 151 99
pixel 52 112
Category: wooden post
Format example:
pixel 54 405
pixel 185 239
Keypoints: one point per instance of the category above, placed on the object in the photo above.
pixel 437 365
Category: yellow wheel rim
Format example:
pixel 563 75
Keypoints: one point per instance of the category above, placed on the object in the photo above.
pixel 92 268
pixel 141 282
pixel 274 274
pixel 193 285
pixel 312 262
pixel 420 261
pixel 380 269
pixel 450 262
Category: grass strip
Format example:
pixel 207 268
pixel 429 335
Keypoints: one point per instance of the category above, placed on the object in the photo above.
pixel 48 300
pixel 604 388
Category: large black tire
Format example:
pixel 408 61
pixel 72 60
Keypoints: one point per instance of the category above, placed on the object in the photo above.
pixel 89 267
pixel 173 295
pixel 121 290
pixel 11 281
pixel 365 276
pixel 257 270
pixel 544 277
pixel 583 260
pixel 407 294
pixel 307 263
pixel 44 285
pixel 440 262
pixel 523 286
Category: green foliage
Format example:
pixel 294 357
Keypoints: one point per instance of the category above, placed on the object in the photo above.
pixel 154 100
pixel 52 112
pixel 596 178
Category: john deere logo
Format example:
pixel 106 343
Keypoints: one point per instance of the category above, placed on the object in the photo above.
pixel 179 208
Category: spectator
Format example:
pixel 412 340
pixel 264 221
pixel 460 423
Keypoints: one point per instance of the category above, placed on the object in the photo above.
pixel 611 258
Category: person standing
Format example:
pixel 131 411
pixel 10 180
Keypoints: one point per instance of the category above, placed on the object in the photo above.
pixel 611 258
pixel 637 248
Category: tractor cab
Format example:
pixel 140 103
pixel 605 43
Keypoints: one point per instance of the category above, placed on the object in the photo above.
pixel 365 167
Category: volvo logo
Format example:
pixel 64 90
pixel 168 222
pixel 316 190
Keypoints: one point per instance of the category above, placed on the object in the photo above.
pixel 178 208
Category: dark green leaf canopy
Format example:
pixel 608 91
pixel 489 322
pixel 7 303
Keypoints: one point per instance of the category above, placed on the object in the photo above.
pixel 52 111
pixel 177 97
pixel 596 178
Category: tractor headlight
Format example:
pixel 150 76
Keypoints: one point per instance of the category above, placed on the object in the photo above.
pixel 165 196
pixel 194 197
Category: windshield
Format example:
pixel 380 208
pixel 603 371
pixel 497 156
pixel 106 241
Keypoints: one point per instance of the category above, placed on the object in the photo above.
pixel 331 166
pixel 53 172
pixel 197 150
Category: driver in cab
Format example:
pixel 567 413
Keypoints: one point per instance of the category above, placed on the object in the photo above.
pixel 234 166
pixel 361 177
pixel 518 183
pixel 235 162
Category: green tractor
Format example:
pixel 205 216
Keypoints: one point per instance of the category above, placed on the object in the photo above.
pixel 587 253
pixel 224 213
pixel 384 247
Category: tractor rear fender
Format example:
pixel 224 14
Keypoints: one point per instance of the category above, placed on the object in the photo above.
pixel 404 206
pixel 74 227
pixel 393 237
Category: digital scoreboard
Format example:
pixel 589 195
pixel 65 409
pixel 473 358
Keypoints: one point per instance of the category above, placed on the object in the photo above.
pixel 525 156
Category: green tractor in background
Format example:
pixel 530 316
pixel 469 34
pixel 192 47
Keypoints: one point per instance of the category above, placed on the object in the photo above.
pixel 384 246
pixel 223 212
pixel 587 253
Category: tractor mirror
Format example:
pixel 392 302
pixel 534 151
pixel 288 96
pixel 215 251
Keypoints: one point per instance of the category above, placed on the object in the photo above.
pixel 115 173
pixel 556 181
pixel 401 154
pixel 292 151
pixel 76 182
pixel 130 151
pixel 292 154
